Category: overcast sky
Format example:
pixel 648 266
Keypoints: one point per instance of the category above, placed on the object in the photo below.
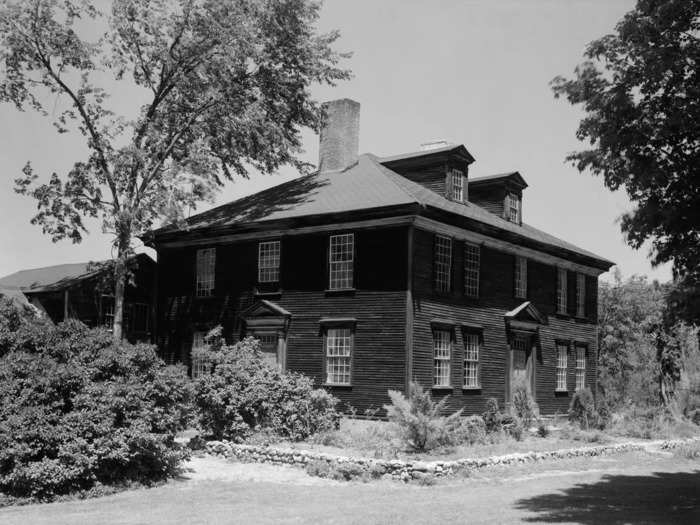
pixel 471 72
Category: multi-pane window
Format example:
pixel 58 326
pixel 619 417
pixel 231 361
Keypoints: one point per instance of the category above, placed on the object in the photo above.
pixel 268 348
pixel 561 290
pixel 338 355
pixel 471 360
pixel 269 262
pixel 200 366
pixel 472 265
pixel 341 254
pixel 580 367
pixel 138 320
pixel 562 350
pixel 206 263
pixel 458 184
pixel 442 352
pixel 520 277
pixel 513 208
pixel 107 311
pixel 580 295
pixel 443 263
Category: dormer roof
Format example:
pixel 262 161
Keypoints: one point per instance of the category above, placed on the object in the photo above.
pixel 511 177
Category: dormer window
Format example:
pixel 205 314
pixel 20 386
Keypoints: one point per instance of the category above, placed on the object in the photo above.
pixel 513 210
pixel 456 185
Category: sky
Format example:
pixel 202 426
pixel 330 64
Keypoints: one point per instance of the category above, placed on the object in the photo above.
pixel 470 72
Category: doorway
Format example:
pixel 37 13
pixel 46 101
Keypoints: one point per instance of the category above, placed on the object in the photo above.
pixel 521 367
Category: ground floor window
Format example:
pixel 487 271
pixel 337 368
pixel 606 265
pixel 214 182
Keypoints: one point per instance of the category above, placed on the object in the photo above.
pixel 268 348
pixel 442 353
pixel 471 360
pixel 580 367
pixel 562 349
pixel 200 366
pixel 338 343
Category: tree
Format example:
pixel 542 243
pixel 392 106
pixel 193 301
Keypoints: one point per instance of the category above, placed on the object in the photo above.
pixel 640 90
pixel 226 90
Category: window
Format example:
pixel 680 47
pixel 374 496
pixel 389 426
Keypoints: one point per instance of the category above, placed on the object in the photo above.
pixel 561 290
pixel 471 360
pixel 268 348
pixel 562 349
pixel 513 208
pixel 199 365
pixel 442 350
pixel 580 367
pixel 338 355
pixel 472 264
pixel 206 262
pixel 107 311
pixel 520 277
pixel 138 320
pixel 443 263
pixel 457 190
pixel 269 262
pixel 341 260
pixel 580 295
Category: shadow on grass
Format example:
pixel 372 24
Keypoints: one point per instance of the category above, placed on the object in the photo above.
pixel 657 498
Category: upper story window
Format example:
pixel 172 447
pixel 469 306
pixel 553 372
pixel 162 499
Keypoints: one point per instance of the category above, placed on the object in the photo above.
pixel 457 185
pixel 513 210
pixel 341 255
pixel 520 277
pixel 206 265
pixel 472 343
pixel 472 266
pixel 443 263
pixel 442 355
pixel 269 262
pixel 561 290
pixel 339 343
pixel 580 295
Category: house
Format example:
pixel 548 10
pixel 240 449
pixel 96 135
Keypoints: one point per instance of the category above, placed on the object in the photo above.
pixel 376 271
pixel 82 291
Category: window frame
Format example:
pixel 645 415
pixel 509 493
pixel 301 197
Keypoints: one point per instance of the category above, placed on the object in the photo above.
pixel 510 199
pixel 336 265
pixel 455 174
pixel 520 277
pixel 580 295
pixel 270 261
pixel 562 291
pixel 205 276
pixel 562 371
pixel 449 334
pixel 478 337
pixel 581 365
pixel 472 272
pixel 326 358
pixel 197 368
pixel 438 285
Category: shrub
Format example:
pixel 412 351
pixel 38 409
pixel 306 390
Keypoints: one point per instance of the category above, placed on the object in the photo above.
pixel 542 430
pixel 513 426
pixel 419 420
pixel 80 412
pixel 492 415
pixel 582 408
pixel 524 406
pixel 243 393
pixel 471 430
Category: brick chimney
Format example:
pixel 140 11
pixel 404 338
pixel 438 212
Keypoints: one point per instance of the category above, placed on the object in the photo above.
pixel 340 135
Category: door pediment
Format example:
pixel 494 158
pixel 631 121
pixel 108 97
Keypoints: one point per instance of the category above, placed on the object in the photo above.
pixel 525 317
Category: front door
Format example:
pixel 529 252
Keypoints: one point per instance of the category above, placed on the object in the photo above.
pixel 522 364
pixel 272 348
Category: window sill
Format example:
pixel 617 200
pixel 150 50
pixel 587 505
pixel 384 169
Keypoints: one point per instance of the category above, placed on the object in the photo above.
pixel 337 385
pixel 561 393
pixel 471 388
pixel 443 387
pixel 340 291
pixel 267 293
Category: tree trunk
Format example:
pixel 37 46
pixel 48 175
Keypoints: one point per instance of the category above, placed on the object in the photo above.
pixel 120 271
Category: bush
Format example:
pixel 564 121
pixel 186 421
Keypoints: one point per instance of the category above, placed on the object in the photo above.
pixel 513 426
pixel 244 394
pixel 542 430
pixel 582 408
pixel 471 430
pixel 524 406
pixel 419 420
pixel 79 412
pixel 492 415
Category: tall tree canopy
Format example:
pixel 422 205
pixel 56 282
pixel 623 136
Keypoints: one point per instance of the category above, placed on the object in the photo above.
pixel 227 90
pixel 640 90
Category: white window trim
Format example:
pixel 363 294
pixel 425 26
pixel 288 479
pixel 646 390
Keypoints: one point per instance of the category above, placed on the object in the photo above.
pixel 562 290
pixel 443 269
pixel 520 277
pixel 333 334
pixel 580 295
pixel 457 191
pixel 197 364
pixel 472 269
pixel 473 340
pixel 439 337
pixel 562 367
pixel 205 272
pixel 512 202
pixel 269 262
pixel 580 367
pixel 341 271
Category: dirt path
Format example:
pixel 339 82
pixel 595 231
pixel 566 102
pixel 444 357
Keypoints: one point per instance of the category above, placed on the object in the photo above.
pixel 634 488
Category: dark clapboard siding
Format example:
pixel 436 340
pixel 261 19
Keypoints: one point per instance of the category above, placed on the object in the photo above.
pixel 496 298
pixel 378 304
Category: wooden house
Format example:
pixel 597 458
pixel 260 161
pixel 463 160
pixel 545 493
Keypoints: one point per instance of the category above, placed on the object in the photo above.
pixel 376 271
pixel 83 291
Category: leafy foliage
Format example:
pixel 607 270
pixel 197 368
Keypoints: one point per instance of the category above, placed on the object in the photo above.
pixel 79 411
pixel 226 91
pixel 639 90
pixel 524 406
pixel 582 408
pixel 419 418
pixel 492 415
pixel 243 393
